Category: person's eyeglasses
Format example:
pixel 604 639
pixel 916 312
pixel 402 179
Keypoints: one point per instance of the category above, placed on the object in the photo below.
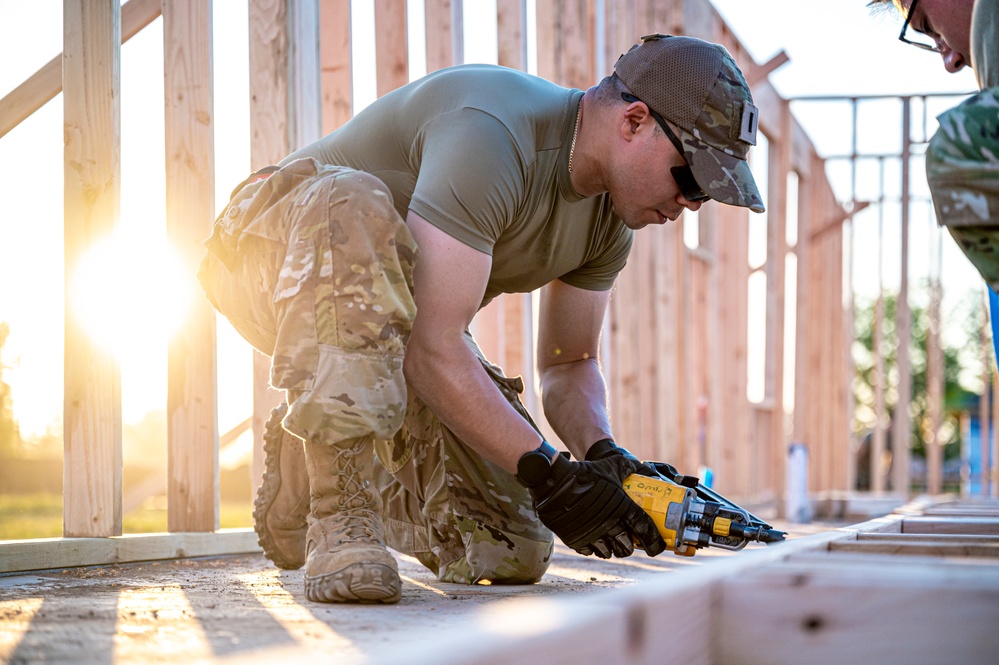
pixel 683 176
pixel 905 26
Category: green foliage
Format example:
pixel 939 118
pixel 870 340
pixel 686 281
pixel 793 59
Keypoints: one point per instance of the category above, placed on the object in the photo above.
pixel 10 435
pixel 25 516
pixel 957 359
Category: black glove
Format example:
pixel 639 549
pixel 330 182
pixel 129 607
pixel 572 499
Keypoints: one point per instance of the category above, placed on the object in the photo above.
pixel 585 505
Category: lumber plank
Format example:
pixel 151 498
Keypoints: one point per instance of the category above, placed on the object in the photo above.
pixel 927 538
pixel 48 553
pixel 445 37
pixel 921 548
pixel 92 468
pixel 933 613
pixel 391 45
pixel 970 511
pixel 305 111
pixel 511 27
pixel 46 83
pixel 983 526
pixel 336 63
pixel 192 427
pixel 270 142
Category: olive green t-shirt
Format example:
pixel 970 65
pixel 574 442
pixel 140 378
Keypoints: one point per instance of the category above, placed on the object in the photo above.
pixel 482 153
pixel 985 43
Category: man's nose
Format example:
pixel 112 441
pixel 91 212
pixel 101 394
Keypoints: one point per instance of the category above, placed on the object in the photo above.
pixel 953 60
pixel 693 206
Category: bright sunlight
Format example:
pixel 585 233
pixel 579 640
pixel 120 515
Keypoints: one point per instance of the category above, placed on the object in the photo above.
pixel 131 292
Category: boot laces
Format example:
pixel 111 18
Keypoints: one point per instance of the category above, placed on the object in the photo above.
pixel 355 518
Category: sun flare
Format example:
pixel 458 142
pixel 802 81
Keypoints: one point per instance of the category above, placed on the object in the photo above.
pixel 129 292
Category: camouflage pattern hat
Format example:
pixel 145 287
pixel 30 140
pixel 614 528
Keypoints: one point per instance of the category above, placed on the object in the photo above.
pixel 697 86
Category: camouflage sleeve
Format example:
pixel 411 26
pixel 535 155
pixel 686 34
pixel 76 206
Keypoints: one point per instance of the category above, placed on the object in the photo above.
pixel 962 168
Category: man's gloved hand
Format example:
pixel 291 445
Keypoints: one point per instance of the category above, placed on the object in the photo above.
pixel 585 505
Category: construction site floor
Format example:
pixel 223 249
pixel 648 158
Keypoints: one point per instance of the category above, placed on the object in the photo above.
pixel 236 608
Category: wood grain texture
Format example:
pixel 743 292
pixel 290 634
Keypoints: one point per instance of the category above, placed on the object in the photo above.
pixel 192 426
pixel 46 83
pixel 391 45
pixel 92 183
pixel 336 62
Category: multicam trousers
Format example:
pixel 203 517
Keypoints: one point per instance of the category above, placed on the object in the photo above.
pixel 313 266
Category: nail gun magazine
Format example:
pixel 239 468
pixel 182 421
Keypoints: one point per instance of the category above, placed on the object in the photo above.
pixel 691 516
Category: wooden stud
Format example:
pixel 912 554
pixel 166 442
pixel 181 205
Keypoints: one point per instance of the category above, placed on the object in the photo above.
pixel 391 45
pixel 46 83
pixel 779 166
pixel 922 548
pixel 511 26
pixel 934 394
pixel 269 144
pixel 445 34
pixel 982 526
pixel 92 181
pixel 305 117
pixel 192 425
pixel 336 63
pixel 565 34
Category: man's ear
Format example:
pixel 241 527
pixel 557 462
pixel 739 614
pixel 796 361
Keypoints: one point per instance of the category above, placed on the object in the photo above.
pixel 635 115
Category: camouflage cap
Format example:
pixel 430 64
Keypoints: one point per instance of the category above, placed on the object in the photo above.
pixel 697 86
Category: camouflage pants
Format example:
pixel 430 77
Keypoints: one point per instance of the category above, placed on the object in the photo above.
pixel 313 267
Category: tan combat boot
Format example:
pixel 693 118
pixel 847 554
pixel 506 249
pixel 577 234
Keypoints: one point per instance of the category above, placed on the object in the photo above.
pixel 347 561
pixel 282 504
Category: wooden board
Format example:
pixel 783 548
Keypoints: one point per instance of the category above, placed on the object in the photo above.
pixel 43 554
pixel 92 184
pixel 192 426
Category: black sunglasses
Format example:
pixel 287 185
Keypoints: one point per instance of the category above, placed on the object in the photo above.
pixel 683 176
pixel 905 26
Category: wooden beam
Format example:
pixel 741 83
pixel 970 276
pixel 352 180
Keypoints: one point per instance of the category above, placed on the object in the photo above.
pixel 952 538
pixel 391 45
pixel 336 63
pixel 920 548
pixel 46 83
pixel 934 393
pixel 270 142
pixel 511 26
pixel 862 613
pixel 192 422
pixel 92 183
pixel 565 38
pixel 445 34
pixel 755 74
pixel 773 453
pixel 44 554
pixel 305 117
pixel 981 526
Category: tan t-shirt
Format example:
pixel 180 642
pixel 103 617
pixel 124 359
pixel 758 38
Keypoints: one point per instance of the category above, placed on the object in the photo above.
pixel 482 153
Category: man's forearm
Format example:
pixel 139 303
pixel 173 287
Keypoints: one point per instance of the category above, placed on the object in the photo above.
pixel 575 401
pixel 459 391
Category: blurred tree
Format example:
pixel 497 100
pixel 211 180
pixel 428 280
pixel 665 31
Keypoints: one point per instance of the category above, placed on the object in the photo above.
pixel 10 435
pixel 958 359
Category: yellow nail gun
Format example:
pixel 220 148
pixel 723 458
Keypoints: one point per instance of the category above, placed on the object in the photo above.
pixel 690 515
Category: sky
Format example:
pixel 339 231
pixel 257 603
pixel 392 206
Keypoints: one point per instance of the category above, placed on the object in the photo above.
pixel 836 47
